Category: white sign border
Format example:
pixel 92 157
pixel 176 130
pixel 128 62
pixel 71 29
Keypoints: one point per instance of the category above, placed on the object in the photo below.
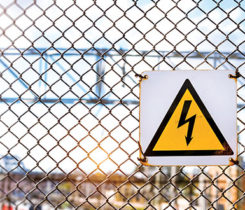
pixel 218 80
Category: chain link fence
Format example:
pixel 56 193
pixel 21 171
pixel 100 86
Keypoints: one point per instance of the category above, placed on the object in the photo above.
pixel 69 101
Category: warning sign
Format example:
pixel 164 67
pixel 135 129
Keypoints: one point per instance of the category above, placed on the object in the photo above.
pixel 188 128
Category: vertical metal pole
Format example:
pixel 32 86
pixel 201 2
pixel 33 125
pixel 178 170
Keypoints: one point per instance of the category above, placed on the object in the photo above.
pixel 40 73
pixel 173 192
pixel 216 191
pixel 157 191
pixel 8 196
pixel 202 200
pixel 100 75
pixel 45 73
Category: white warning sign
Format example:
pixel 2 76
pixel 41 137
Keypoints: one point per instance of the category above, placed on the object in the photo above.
pixel 186 116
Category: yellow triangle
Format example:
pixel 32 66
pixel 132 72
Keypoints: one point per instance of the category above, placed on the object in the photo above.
pixel 173 137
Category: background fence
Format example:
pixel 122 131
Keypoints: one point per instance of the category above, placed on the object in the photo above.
pixel 69 111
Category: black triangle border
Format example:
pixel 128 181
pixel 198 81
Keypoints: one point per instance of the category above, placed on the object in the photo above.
pixel 187 85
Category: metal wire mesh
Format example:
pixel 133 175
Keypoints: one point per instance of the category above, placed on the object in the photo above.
pixel 69 101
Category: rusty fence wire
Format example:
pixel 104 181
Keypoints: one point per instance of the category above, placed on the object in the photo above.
pixel 69 101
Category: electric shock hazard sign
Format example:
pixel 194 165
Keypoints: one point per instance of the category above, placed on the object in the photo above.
pixel 192 120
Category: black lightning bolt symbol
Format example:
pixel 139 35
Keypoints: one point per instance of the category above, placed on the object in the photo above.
pixel 183 121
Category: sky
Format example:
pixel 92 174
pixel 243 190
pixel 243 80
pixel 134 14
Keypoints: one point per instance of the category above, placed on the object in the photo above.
pixel 102 26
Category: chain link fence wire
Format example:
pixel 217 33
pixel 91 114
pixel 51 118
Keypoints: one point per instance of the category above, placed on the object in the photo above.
pixel 69 101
